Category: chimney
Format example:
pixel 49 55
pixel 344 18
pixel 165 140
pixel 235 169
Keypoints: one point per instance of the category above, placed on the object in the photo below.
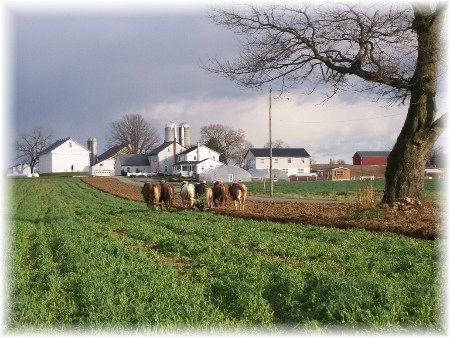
pixel 198 151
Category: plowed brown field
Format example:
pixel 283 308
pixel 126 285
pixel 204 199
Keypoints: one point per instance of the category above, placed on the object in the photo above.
pixel 424 223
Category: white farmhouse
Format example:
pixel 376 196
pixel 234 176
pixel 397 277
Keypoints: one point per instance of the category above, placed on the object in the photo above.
pixel 162 158
pixel 195 160
pixel 65 155
pixel 292 161
pixel 106 162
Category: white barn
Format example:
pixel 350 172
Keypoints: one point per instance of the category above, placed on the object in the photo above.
pixel 292 161
pixel 65 155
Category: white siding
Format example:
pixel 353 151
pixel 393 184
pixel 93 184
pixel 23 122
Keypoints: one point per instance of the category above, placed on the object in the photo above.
pixel 104 168
pixel 68 157
pixel 164 160
pixel 290 165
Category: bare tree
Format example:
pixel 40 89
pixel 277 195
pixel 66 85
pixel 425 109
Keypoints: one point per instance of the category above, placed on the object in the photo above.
pixel 228 142
pixel 135 133
pixel 241 152
pixel 278 143
pixel 30 145
pixel 391 50
pixel 437 157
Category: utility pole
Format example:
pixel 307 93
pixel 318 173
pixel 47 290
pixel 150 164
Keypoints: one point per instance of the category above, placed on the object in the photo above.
pixel 270 143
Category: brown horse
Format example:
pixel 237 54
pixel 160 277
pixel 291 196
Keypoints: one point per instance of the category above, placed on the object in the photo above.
pixel 167 194
pixel 152 194
pixel 238 192
pixel 219 194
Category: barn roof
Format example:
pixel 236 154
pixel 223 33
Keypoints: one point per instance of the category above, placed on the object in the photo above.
pixel 133 160
pixel 372 153
pixel 58 143
pixel 110 152
pixel 279 152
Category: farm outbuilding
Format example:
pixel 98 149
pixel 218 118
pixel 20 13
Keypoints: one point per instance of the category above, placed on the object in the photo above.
pixel 370 157
pixel 132 163
pixel 226 173
pixel 105 165
pixel 65 155
pixel 333 174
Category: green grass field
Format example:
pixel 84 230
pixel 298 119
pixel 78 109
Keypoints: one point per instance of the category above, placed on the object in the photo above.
pixel 82 259
pixel 337 190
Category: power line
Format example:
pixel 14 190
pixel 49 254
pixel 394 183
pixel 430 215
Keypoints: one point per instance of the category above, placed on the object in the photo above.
pixel 340 121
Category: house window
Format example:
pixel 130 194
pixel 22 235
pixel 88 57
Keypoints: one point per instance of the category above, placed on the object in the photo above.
pixel 262 160
pixel 276 161
pixel 303 160
pixel 70 145
pixel 289 160
pixel 285 170
pixel 195 158
pixel 339 173
pixel 301 171
pixel 71 168
pixel 101 164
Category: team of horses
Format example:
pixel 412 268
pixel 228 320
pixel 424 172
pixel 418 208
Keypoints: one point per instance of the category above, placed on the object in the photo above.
pixel 159 194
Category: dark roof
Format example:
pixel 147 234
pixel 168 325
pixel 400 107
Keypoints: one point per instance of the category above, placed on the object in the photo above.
pixel 372 153
pixel 187 151
pixel 110 152
pixel 279 152
pixel 133 159
pixel 57 144
pixel 159 148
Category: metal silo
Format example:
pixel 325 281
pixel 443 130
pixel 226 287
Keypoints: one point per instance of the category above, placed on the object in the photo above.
pixel 185 135
pixel 170 132
pixel 92 146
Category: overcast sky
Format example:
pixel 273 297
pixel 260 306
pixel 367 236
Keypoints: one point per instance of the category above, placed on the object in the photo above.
pixel 74 70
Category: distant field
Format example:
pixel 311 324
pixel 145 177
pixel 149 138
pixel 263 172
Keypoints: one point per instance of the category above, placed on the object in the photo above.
pixel 80 258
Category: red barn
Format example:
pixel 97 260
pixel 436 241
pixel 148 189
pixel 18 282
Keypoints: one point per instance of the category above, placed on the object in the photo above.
pixel 370 157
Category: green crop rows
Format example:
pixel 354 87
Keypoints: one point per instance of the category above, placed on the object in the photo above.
pixel 82 259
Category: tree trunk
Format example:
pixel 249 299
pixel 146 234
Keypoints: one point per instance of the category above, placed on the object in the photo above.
pixel 405 169
pixel 406 162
